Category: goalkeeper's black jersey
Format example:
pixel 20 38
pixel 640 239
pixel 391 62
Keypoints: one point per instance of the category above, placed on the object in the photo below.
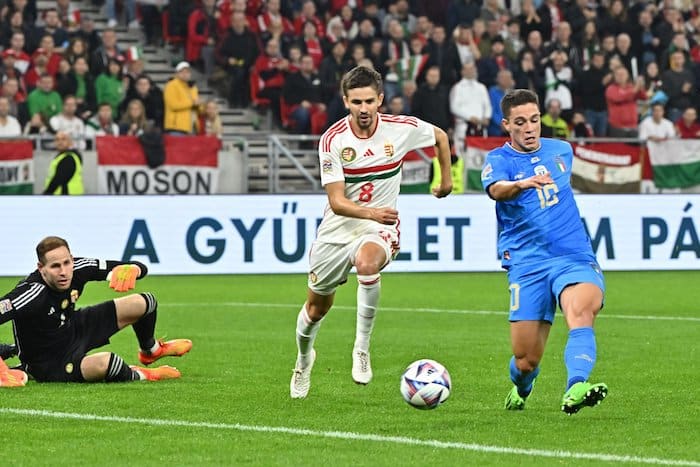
pixel 42 316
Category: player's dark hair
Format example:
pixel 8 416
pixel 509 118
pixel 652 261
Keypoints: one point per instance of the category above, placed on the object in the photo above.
pixel 362 77
pixel 48 244
pixel 517 97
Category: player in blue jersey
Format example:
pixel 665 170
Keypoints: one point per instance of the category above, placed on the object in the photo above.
pixel 547 253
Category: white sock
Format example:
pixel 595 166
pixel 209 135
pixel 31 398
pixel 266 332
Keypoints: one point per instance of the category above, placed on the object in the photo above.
pixel 306 334
pixel 368 288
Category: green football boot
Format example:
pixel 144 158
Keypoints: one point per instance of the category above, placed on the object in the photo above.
pixel 583 394
pixel 515 401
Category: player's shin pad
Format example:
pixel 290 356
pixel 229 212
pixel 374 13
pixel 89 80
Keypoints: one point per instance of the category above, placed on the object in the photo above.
pixel 123 277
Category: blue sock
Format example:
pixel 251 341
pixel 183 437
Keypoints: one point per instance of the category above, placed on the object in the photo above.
pixel 579 355
pixel 522 381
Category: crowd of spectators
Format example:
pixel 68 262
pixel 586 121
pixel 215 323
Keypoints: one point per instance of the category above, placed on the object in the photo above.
pixel 598 67
pixel 59 74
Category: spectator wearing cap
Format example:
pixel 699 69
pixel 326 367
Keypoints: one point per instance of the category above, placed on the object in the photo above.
pixel 182 102
pixel 110 86
pixel 9 70
pixel 54 55
pixel 39 67
pixel 17 49
pixel 44 100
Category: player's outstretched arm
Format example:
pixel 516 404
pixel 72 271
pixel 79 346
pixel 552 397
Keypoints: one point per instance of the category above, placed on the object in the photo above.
pixel 342 206
pixel 505 190
pixel 442 145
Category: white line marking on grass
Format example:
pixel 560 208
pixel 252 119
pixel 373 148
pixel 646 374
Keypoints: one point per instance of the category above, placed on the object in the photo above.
pixel 345 435
pixel 296 306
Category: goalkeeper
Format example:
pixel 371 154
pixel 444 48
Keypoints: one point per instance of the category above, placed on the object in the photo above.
pixel 53 337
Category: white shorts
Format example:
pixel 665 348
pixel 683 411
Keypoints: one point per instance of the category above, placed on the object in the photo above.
pixel 329 263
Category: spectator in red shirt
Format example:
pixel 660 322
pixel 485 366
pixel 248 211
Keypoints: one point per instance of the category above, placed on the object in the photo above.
pixel 272 13
pixel 270 68
pixel 201 35
pixel 688 126
pixel 621 98
pixel 312 43
pixel 308 13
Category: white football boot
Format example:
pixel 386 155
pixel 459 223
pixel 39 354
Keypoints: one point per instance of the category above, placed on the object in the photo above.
pixel 301 379
pixel 361 367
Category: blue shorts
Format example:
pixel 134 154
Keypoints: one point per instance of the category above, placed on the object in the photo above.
pixel 535 287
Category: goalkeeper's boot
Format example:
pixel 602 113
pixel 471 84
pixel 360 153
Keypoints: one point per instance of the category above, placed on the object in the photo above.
pixel 8 351
pixel 301 379
pixel 583 394
pixel 156 374
pixel 361 367
pixel 12 378
pixel 173 348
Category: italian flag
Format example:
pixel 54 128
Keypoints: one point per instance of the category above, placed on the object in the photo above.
pixel 675 163
pixel 16 168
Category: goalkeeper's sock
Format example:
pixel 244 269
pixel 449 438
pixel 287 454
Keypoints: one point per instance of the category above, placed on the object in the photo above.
pixel 146 326
pixel 118 371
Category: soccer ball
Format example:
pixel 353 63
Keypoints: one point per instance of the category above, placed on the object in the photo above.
pixel 425 384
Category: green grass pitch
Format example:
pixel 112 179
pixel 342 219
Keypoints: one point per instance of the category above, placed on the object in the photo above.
pixel 232 405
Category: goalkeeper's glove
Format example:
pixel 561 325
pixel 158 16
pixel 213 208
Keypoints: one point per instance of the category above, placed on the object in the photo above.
pixel 123 277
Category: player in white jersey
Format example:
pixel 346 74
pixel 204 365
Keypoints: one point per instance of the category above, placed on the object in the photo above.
pixel 360 159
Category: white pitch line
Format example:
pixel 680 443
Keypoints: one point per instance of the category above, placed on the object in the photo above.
pixel 346 435
pixel 296 306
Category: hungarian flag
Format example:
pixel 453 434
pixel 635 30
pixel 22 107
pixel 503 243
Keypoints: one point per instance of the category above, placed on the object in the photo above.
pixel 191 166
pixel 477 148
pixel 415 171
pixel 606 168
pixel 16 167
pixel 675 162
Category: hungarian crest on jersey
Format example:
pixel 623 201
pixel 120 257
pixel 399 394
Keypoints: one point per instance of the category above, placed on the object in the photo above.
pixel 348 154
pixel 388 149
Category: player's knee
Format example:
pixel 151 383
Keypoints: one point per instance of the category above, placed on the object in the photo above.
pixel 527 364
pixel 368 266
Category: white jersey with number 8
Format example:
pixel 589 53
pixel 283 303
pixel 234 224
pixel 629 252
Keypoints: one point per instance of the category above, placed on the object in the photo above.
pixel 370 168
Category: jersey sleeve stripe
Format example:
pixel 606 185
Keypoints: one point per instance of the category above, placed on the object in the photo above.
pixel 400 119
pixel 30 294
pixel 331 133
pixel 81 263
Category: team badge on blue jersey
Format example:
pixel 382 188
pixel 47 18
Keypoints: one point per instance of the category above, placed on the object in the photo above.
pixel 488 170
pixel 560 164
pixel 540 170
pixel 534 160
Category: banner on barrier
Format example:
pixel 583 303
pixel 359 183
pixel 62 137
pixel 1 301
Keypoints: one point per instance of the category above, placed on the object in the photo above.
pixel 273 234
pixel 191 166
pixel 16 167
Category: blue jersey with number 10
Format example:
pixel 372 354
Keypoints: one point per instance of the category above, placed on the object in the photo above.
pixel 539 224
